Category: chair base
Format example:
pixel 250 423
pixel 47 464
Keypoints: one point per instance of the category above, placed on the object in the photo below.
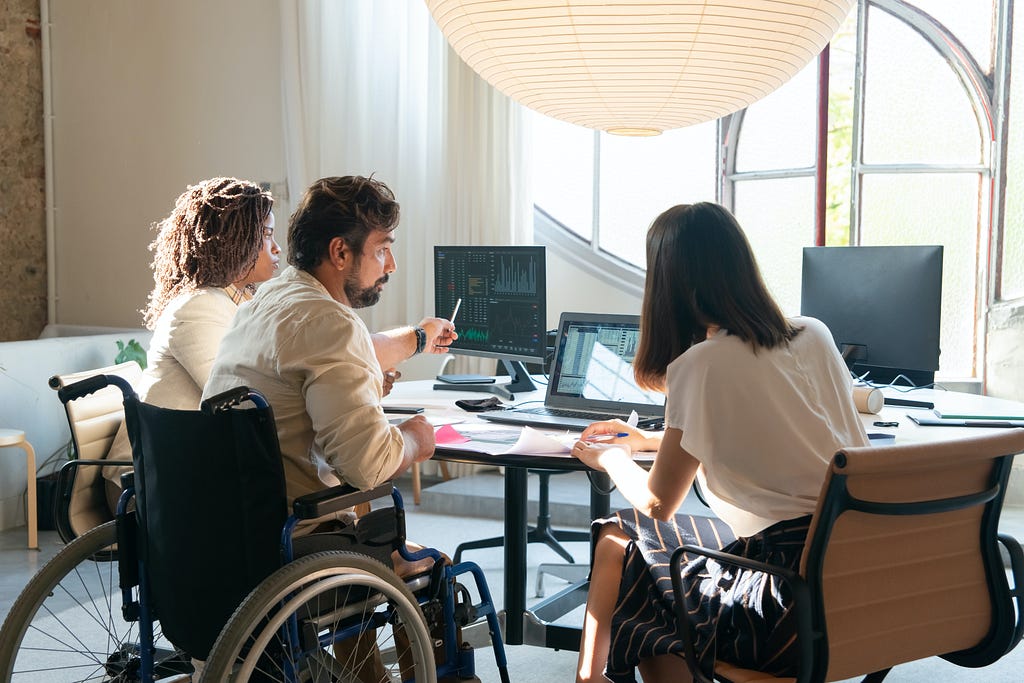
pixel 548 536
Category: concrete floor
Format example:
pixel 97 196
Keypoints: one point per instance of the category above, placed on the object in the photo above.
pixel 526 663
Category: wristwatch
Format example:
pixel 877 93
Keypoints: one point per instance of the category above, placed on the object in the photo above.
pixel 421 339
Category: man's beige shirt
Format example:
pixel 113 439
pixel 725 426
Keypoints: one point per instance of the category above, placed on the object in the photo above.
pixel 313 359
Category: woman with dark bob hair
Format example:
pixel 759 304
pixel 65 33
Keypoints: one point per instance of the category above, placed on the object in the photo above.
pixel 756 405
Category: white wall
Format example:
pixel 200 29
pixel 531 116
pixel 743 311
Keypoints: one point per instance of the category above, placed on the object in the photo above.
pixel 149 97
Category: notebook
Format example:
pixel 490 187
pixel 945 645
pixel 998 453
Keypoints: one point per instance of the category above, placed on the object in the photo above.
pixel 947 422
pixel 591 377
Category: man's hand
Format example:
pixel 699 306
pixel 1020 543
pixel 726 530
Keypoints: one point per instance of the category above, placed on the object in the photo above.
pixel 419 438
pixel 440 334
pixel 391 375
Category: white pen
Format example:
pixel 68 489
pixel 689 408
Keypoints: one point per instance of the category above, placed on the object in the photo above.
pixel 456 311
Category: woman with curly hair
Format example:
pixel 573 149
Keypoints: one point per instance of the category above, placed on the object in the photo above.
pixel 209 255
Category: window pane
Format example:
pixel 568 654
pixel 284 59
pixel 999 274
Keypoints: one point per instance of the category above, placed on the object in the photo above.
pixel 1012 277
pixel 933 209
pixel 641 177
pixel 778 131
pixel 913 100
pixel 972 28
pixel 563 172
pixel 841 79
pixel 778 218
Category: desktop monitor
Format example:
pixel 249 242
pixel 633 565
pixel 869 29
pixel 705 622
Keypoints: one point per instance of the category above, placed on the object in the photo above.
pixel 882 305
pixel 503 312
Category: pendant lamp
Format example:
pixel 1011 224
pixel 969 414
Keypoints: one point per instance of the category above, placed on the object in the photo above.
pixel 638 68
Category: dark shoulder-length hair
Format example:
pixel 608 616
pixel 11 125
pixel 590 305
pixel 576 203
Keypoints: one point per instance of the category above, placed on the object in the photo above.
pixel 701 272
pixel 348 207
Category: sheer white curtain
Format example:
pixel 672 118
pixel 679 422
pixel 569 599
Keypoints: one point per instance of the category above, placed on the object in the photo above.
pixel 370 86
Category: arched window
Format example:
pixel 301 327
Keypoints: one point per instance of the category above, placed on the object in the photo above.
pixel 915 152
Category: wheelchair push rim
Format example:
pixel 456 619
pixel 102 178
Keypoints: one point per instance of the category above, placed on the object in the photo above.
pixel 273 607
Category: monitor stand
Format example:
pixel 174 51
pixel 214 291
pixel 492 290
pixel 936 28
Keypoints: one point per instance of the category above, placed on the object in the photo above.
pixel 519 382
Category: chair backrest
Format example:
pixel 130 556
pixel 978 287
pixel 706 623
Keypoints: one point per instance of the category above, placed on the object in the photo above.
pixel 94 421
pixel 903 549
pixel 211 504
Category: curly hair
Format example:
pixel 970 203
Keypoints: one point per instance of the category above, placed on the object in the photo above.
pixel 348 207
pixel 212 238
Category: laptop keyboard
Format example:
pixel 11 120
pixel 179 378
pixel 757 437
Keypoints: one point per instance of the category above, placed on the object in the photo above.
pixel 646 423
pixel 558 412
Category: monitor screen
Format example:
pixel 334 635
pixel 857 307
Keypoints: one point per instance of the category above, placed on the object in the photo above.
pixel 882 305
pixel 503 313
pixel 594 361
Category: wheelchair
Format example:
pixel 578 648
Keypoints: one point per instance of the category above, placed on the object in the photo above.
pixel 205 568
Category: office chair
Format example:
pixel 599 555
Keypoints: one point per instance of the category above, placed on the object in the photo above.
pixel 902 562
pixel 84 496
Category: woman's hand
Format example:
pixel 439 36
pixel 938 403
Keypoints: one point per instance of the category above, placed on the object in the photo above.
pixel 599 455
pixel 607 432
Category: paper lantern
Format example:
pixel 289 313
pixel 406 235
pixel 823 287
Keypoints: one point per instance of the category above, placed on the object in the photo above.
pixel 638 68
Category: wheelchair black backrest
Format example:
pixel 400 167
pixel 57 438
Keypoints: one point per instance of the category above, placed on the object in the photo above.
pixel 211 502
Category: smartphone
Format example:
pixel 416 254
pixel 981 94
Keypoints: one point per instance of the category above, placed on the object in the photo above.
pixel 403 410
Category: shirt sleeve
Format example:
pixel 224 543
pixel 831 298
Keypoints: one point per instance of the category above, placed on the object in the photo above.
pixel 342 386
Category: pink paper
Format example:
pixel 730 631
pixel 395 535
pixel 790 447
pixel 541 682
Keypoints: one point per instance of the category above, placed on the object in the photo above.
pixel 446 434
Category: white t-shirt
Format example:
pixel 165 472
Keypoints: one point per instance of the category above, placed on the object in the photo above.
pixel 764 426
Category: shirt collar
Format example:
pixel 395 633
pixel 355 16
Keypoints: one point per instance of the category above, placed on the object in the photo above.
pixel 238 296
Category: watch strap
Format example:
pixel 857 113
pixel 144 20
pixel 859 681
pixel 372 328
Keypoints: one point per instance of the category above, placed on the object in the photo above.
pixel 421 339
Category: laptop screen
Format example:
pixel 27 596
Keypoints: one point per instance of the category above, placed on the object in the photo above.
pixel 594 365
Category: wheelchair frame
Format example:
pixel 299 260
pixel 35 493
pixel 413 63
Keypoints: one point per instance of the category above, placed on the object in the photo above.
pixel 145 662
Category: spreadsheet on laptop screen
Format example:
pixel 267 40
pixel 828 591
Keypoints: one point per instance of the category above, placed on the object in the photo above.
pixel 597 364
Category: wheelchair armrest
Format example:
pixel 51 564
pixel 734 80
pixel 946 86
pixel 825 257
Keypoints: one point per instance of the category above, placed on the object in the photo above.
pixel 1017 589
pixel 802 607
pixel 335 499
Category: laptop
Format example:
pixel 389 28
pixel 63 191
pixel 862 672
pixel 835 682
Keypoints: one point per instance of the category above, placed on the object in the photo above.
pixel 591 378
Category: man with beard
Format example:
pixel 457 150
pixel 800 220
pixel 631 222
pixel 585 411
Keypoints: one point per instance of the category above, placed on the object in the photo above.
pixel 300 343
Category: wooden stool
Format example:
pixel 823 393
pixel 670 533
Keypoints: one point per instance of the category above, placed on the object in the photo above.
pixel 14 438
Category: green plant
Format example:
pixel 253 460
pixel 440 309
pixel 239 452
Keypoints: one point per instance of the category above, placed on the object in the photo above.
pixel 131 351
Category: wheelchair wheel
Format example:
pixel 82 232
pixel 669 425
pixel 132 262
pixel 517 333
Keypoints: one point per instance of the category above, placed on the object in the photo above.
pixel 303 623
pixel 67 626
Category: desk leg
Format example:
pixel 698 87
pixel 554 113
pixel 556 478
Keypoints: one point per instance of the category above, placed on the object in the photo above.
pixel 600 494
pixel 515 554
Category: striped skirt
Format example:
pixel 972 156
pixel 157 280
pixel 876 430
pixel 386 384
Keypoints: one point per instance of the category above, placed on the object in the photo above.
pixel 737 615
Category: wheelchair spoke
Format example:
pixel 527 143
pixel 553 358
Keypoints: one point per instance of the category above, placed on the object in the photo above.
pixel 66 626
pixel 344 609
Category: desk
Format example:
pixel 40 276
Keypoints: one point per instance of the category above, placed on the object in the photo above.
pixel 523 626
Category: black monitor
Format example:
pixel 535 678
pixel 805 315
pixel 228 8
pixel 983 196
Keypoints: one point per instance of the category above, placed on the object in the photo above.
pixel 882 305
pixel 502 314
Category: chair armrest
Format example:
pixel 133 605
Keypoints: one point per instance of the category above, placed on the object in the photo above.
pixel 335 499
pixel 1017 589
pixel 802 607
pixel 65 488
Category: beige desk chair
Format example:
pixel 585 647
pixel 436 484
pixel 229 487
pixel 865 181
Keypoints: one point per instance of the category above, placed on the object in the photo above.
pixel 94 421
pixel 902 562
